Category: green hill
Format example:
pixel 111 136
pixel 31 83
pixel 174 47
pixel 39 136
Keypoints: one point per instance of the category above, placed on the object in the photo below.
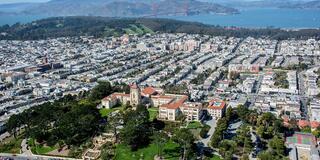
pixel 102 27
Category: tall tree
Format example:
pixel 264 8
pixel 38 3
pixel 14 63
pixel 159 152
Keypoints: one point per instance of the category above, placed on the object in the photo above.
pixel 136 130
pixel 186 140
pixel 100 91
pixel 13 124
pixel 160 139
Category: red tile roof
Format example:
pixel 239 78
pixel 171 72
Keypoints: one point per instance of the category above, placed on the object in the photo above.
pixel 176 104
pixel 149 91
pixel 315 124
pixel 217 104
pixel 303 123
pixel 114 96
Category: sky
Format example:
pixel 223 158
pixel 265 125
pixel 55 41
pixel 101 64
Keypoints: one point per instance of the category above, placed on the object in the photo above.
pixel 18 1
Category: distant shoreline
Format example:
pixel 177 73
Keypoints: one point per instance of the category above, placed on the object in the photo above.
pixel 249 18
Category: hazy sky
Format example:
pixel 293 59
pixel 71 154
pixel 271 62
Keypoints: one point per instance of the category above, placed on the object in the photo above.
pixel 17 1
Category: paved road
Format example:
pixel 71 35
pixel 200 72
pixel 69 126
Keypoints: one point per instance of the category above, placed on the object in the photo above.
pixel 4 136
pixel 25 149
pixel 302 93
pixel 33 157
pixel 212 123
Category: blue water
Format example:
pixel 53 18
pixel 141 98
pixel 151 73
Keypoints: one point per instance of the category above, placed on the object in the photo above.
pixel 252 18
pixel 12 19
pixel 262 17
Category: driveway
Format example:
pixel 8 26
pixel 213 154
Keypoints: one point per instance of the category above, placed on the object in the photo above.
pixel 212 123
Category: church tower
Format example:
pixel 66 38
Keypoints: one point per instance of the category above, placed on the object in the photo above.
pixel 135 95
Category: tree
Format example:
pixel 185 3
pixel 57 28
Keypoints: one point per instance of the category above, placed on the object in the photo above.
pixel 185 139
pixel 136 130
pixel 100 91
pixel 160 139
pixel 108 151
pixel 306 129
pixel 243 139
pixel 242 111
pixel 266 156
pixel 277 145
pixel 222 126
pixel 227 148
pixel 316 133
pixel 13 124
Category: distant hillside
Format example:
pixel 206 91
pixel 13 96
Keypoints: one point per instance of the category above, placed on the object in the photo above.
pixel 307 5
pixel 125 8
pixel 104 27
pixel 16 7
pixel 257 3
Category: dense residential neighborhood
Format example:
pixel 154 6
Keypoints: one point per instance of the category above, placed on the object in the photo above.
pixel 211 97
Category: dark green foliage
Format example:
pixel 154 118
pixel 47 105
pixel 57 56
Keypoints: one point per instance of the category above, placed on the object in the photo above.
pixel 281 80
pixel 100 91
pixel 227 148
pixel 65 120
pixel 104 89
pixel 136 131
pixel 222 126
pixel 277 150
pixel 204 131
pixel 101 27
pixel 185 139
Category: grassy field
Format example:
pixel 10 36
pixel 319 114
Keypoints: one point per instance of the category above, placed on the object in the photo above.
pixel 215 157
pixel 13 146
pixel 105 112
pixel 153 113
pixel 171 152
pixel 39 149
pixel 194 125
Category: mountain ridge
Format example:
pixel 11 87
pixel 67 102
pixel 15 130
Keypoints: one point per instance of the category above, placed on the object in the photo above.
pixel 125 8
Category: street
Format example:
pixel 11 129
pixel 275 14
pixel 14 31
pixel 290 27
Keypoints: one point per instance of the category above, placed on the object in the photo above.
pixel 30 157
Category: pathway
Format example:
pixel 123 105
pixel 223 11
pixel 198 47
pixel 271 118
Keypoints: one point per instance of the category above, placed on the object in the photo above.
pixel 212 123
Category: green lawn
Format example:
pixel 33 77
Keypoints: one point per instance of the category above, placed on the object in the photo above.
pixel 146 29
pixel 38 149
pixel 215 157
pixel 105 112
pixel 171 152
pixel 129 31
pixel 153 113
pixel 44 149
pixel 11 147
pixel 194 125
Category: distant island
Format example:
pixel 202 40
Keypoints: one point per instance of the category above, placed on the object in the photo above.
pixel 306 5
pixel 124 8
pixel 106 27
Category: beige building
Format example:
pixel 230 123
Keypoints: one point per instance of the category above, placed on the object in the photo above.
pixel 216 108
pixel 191 110
pixel 171 106
pixel 134 98
pixel 171 110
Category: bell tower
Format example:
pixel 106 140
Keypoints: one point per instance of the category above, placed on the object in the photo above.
pixel 135 95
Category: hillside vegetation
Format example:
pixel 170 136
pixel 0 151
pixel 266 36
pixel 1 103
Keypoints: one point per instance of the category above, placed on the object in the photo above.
pixel 102 27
